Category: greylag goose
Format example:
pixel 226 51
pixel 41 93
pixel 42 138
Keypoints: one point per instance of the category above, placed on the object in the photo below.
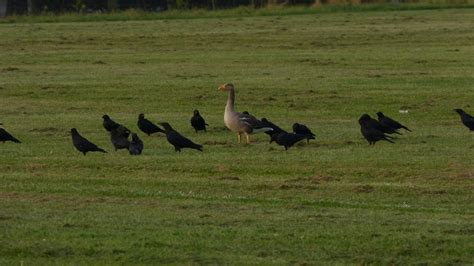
pixel 466 119
pixel 371 131
pixel 240 122
pixel 388 122
pixel 82 144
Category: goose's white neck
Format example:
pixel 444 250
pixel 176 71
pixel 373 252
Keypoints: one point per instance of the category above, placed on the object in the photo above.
pixel 230 101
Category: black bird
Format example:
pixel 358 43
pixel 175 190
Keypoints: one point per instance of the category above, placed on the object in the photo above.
pixel 198 122
pixel 119 138
pixel 302 129
pixel 387 122
pixel 147 126
pixel 268 123
pixel 82 144
pixel 288 139
pixel 177 140
pixel 5 136
pixel 109 124
pixel 377 125
pixel 466 119
pixel 136 145
pixel 371 131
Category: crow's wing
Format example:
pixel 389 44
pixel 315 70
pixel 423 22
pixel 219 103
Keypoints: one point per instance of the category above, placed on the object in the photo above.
pixel 179 140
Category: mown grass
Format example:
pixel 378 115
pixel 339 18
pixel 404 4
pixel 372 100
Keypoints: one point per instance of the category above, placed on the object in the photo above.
pixel 334 200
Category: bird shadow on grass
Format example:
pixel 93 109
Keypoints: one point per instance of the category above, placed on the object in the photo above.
pixel 230 178
pixel 219 129
pixel 214 142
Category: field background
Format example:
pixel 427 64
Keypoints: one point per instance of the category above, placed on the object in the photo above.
pixel 334 200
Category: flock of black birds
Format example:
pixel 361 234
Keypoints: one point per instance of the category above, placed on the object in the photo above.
pixel 120 135
pixel 372 130
pixel 381 129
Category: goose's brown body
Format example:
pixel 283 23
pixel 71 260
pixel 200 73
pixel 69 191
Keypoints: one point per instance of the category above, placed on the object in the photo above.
pixel 240 122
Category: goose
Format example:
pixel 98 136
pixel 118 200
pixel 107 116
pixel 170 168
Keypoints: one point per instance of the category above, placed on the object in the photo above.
pixel 240 122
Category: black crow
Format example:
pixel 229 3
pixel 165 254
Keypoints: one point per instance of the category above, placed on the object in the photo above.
pixel 136 145
pixel 5 136
pixel 119 138
pixel 82 144
pixel 371 131
pixel 466 119
pixel 376 124
pixel 109 124
pixel 177 140
pixel 288 139
pixel 147 126
pixel 302 129
pixel 387 122
pixel 198 122
pixel 276 129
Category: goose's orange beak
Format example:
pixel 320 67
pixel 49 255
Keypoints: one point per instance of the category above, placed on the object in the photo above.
pixel 221 88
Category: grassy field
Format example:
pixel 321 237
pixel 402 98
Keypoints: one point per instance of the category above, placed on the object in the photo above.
pixel 335 200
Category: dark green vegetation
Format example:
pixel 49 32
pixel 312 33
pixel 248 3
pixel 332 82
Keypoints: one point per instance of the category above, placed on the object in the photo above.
pixel 240 12
pixel 334 200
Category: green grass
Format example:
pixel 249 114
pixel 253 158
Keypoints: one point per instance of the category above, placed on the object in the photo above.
pixel 335 200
